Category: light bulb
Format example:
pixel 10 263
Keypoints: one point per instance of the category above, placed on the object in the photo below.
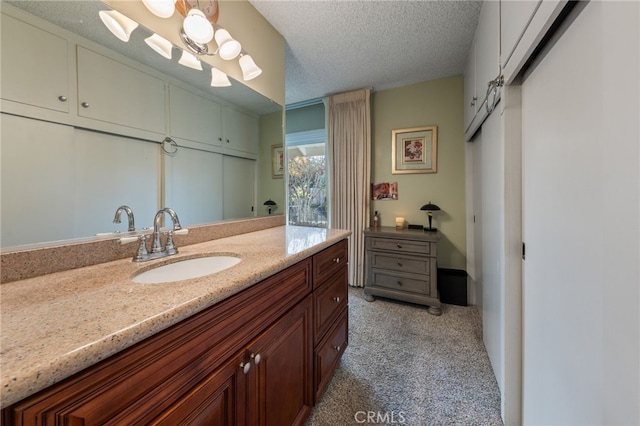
pixel 120 25
pixel 197 27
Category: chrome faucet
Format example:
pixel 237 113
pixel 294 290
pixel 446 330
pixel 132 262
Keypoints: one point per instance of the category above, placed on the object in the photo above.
pixel 127 209
pixel 142 255
pixel 169 247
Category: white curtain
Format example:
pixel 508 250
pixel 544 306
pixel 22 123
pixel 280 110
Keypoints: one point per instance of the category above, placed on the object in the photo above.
pixel 348 117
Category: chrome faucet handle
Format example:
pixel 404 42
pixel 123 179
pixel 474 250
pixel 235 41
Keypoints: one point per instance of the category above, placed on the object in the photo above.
pixel 142 253
pixel 169 247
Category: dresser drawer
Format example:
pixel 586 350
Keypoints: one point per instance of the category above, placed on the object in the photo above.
pixel 328 301
pixel 399 245
pixel 329 352
pixel 329 261
pixel 414 265
pixel 401 282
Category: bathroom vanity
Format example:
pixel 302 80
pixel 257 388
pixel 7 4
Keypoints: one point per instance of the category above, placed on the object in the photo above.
pixel 254 344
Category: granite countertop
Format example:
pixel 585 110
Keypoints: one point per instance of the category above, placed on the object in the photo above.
pixel 58 324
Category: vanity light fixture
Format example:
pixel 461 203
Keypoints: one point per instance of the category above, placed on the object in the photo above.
pixel 198 29
pixel 188 60
pixel 219 79
pixel 120 25
pixel 160 45
pixel 430 208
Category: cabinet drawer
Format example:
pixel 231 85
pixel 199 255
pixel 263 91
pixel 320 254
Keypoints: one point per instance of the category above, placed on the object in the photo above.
pixel 415 265
pixel 402 246
pixel 401 282
pixel 328 302
pixel 329 352
pixel 328 262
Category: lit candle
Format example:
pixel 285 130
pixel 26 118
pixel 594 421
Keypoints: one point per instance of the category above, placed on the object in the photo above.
pixel 399 222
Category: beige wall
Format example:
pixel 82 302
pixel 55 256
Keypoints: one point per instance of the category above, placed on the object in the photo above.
pixel 436 102
pixel 271 133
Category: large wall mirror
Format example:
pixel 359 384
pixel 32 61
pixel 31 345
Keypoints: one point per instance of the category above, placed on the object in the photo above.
pixel 66 171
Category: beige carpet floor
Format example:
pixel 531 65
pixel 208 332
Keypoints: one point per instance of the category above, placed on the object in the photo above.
pixel 404 366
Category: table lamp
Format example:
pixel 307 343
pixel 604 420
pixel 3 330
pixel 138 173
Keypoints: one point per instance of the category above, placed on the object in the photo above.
pixel 430 208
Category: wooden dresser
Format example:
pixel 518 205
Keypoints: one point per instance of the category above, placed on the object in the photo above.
pixel 402 264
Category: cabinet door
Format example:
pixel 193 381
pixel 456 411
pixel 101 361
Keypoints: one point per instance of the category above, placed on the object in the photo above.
pixel 470 90
pixel 240 131
pixel 238 187
pixel 514 19
pixel 281 387
pixel 112 92
pixel 34 66
pixel 487 51
pixel 194 118
pixel 217 400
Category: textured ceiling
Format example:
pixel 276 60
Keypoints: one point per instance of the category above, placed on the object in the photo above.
pixel 334 46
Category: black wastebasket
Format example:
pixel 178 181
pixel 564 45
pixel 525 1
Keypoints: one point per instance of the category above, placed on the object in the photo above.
pixel 452 286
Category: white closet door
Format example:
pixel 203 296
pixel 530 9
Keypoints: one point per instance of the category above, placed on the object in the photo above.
pixel 239 187
pixel 581 214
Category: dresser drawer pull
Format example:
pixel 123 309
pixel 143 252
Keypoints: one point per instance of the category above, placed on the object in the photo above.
pixel 336 299
pixel 399 245
pixel 336 260
pixel 337 348
pixel 399 282
pixel 399 263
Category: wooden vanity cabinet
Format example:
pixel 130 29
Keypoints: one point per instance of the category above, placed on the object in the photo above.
pixel 330 298
pixel 248 360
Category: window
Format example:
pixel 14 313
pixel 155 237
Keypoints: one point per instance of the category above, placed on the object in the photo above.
pixel 307 183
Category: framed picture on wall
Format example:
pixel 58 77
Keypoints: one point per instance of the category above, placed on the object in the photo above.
pixel 277 161
pixel 414 150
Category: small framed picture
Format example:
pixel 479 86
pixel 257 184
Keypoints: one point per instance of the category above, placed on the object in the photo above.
pixel 277 161
pixel 414 150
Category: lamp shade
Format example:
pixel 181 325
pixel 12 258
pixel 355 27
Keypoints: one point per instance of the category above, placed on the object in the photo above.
pixel 188 60
pixel 160 45
pixel 430 207
pixel 197 27
pixel 219 79
pixel 228 47
pixel 269 202
pixel 161 8
pixel 120 25
pixel 249 68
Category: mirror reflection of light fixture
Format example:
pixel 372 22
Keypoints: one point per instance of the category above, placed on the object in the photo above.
pixel 270 204
pixel 120 25
pixel 219 79
pixel 161 8
pixel 188 60
pixel 430 208
pixel 160 45
pixel 249 68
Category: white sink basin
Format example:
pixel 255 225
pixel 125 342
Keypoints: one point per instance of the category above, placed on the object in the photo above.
pixel 185 269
